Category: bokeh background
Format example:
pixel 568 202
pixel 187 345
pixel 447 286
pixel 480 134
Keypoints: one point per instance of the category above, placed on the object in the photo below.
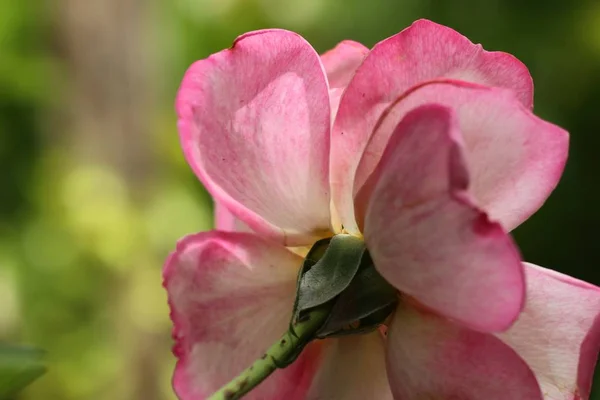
pixel 94 191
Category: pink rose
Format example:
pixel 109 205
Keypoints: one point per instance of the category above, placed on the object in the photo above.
pixel 426 147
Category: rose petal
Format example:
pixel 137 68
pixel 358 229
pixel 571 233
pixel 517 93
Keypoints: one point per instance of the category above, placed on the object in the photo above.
pixel 341 62
pixel 231 297
pixel 226 221
pixel 335 95
pixel 254 123
pixel 558 333
pixel 430 358
pixel 515 158
pixel 419 53
pixel 353 368
pixel 428 239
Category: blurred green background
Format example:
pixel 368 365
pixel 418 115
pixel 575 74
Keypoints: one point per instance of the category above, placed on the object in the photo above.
pixel 95 192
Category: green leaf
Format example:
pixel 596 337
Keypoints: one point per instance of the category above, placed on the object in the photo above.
pixel 332 273
pixel 19 366
pixel 368 301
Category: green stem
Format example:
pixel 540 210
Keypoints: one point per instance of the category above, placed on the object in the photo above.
pixel 279 355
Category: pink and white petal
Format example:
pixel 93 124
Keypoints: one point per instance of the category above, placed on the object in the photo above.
pixel 342 61
pixel 353 368
pixel 515 158
pixel 431 358
pixel 421 52
pixel 226 221
pixel 428 239
pixel 254 123
pixel 558 333
pixel 231 296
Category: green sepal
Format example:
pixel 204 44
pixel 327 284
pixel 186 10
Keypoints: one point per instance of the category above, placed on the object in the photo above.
pixel 332 273
pixel 368 301
pixel 19 366
pixel 314 255
pixel 365 325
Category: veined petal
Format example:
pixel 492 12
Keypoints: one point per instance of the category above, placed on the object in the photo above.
pixel 353 368
pixel 515 158
pixel 254 122
pixel 231 297
pixel 342 61
pixel 558 333
pixel 422 52
pixel 431 358
pixel 428 239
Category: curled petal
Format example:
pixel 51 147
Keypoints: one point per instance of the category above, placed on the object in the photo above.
pixel 231 296
pixel 428 239
pixel 422 52
pixel 226 221
pixel 515 158
pixel 341 62
pixel 558 333
pixel 353 368
pixel 431 358
pixel 254 122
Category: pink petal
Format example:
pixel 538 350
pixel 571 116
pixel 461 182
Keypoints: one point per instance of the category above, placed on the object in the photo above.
pixel 226 221
pixel 353 368
pixel 341 62
pixel 428 239
pixel 558 333
pixel 335 95
pixel 515 158
pixel 419 53
pixel 231 297
pixel 254 123
pixel 431 358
